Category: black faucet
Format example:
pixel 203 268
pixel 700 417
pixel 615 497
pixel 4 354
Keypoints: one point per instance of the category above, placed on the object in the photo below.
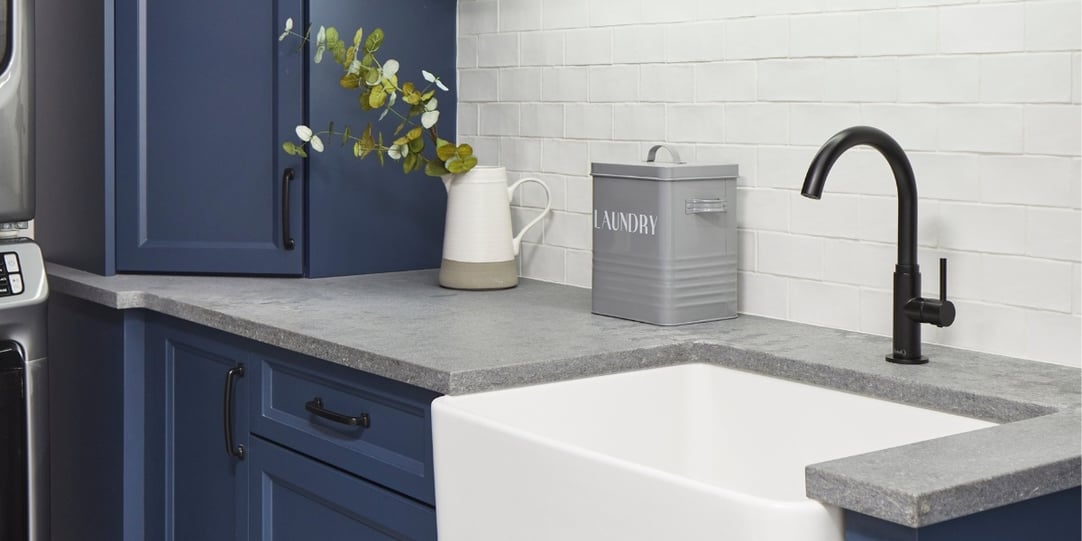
pixel 910 310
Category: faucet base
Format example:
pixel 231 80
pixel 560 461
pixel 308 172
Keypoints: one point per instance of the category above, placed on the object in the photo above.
pixel 892 358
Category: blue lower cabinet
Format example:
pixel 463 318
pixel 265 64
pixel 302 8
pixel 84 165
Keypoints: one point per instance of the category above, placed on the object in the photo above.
pixel 296 498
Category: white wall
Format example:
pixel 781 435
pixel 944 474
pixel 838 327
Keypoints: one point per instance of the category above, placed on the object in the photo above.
pixel 983 95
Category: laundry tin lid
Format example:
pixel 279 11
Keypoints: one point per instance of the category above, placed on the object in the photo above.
pixel 664 171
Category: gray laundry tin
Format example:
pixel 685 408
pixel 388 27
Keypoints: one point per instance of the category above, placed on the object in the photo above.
pixel 665 243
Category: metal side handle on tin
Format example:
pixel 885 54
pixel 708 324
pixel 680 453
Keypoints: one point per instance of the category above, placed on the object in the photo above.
pixel 701 206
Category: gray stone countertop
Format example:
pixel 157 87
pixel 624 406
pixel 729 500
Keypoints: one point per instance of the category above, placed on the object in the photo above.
pixel 403 326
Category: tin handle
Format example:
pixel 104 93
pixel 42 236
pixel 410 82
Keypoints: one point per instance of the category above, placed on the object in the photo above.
pixel 652 155
pixel 700 206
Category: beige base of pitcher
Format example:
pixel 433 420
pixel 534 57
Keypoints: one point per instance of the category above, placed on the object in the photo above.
pixel 478 276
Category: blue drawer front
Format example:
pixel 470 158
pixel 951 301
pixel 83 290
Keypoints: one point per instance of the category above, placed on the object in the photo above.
pixel 295 498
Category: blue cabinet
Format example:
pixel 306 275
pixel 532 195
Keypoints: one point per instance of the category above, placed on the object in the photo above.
pixel 170 160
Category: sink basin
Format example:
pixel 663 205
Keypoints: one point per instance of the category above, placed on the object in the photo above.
pixel 685 452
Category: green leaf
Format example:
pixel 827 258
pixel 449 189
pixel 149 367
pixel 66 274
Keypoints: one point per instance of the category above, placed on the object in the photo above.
pixel 345 136
pixel 357 36
pixel 372 77
pixel 417 145
pixel 368 60
pixel 364 100
pixel 289 148
pixel 445 151
pixel 464 151
pixel 434 168
pixel 374 40
pixel 350 81
pixel 331 35
pixel 377 97
pixel 301 152
pixel 400 127
pixel 380 152
pixel 468 163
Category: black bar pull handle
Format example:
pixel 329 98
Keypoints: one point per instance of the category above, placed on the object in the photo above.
pixel 234 450
pixel 315 406
pixel 942 279
pixel 287 238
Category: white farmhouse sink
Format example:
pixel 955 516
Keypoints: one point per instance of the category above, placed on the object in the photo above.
pixel 678 453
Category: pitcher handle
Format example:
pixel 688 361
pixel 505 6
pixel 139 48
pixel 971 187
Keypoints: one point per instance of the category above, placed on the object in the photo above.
pixel 516 242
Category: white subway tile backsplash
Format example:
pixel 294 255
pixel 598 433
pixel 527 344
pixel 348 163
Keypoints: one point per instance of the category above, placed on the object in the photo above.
pixel 985 28
pixel 1053 26
pixel 983 96
pixel 1054 233
pixel 1026 78
pixel 519 218
pixel 939 79
pixel 1053 129
pixel 981 128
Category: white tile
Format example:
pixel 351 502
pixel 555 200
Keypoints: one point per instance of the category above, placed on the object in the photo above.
pixel 814 123
pixel 1053 26
pixel 541 262
pixel 588 121
pixel 986 327
pixel 520 84
pixel 477 17
pixel 533 195
pixel 790 80
pixel 836 34
pixel 499 119
pixel 1076 290
pixel 497 50
pixel 878 220
pixel 542 48
pixel 563 84
pixel 762 295
pixel 1053 129
pixel 762 209
pixel 965 274
pixel 760 37
pixel 1027 180
pixel 615 152
pixel 467 52
pixel 828 305
pixel 520 154
pixel 588 46
pixel 639 122
pixel 1023 281
pixel 861 171
pixel 722 81
pixel 614 83
pixel 615 12
pixel 745 157
pixel 569 230
pixel 468 122
pixel 1054 338
pixel 1054 233
pixel 580 194
pixel 478 85
pixel 541 120
pixel 579 270
pixel 673 11
pixel 1076 78
pixel 563 14
pixel 860 79
pixel 1026 78
pixel 762 123
pixel 638 44
pixel 913 126
pixel 697 123
pixel 876 312
pixel 859 263
pixel 898 32
pixel 947 176
pixel 981 128
pixel 835 215
pixel 790 255
pixel 522 216
pixel 519 15
pixel 746 247
pixel 939 79
pixel 486 149
pixel 694 42
pixel 567 157
pixel 783 167
pixel 667 83
pixel 982 29
pixel 983 228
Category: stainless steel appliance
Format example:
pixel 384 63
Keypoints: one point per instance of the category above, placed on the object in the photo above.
pixel 16 111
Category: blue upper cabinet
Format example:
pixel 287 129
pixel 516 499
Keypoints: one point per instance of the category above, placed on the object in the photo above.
pixel 365 218
pixel 204 96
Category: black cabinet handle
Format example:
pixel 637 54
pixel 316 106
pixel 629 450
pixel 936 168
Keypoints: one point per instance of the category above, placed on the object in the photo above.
pixel 315 406
pixel 287 239
pixel 230 378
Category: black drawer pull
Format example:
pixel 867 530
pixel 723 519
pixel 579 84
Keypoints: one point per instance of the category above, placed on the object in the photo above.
pixel 234 450
pixel 316 406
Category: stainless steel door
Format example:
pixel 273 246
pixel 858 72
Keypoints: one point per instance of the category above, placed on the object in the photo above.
pixel 16 111
pixel 14 466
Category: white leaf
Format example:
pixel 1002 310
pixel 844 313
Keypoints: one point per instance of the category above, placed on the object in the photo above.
pixel 319 53
pixel 441 86
pixel 397 152
pixel 430 118
pixel 321 37
pixel 384 113
pixel 390 68
pixel 317 143
pixel 289 24
pixel 304 133
pixel 392 98
pixel 432 104
pixel 283 36
pixel 355 67
pixel 428 76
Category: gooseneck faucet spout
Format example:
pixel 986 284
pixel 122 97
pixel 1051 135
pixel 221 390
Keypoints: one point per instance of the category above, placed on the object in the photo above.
pixel 910 310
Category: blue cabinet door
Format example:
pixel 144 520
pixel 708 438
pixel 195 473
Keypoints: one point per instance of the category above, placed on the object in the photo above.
pixel 295 498
pixel 365 218
pixel 204 97
pixel 198 491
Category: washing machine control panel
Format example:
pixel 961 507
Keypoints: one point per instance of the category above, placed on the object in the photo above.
pixel 11 275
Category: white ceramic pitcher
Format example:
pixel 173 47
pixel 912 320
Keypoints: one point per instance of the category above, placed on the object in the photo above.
pixel 478 247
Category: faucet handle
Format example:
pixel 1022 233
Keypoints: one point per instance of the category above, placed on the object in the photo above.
pixel 942 279
pixel 940 313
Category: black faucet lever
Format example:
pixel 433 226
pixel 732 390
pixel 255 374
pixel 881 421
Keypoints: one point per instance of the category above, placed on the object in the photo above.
pixel 940 312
